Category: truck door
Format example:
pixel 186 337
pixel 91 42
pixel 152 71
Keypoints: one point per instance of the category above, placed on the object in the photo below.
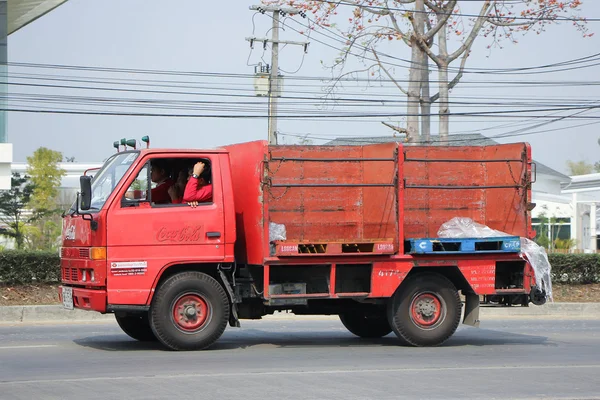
pixel 143 237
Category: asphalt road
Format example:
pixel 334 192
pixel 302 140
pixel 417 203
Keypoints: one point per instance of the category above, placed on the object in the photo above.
pixel 304 359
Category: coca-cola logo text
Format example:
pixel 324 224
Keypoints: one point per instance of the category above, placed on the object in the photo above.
pixel 185 234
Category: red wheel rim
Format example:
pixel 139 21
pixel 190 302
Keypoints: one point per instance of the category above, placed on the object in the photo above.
pixel 426 310
pixel 190 312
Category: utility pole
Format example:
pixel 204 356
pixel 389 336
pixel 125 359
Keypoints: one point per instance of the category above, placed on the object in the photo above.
pixel 274 80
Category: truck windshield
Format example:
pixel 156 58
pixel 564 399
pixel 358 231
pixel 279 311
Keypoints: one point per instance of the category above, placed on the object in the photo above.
pixel 107 178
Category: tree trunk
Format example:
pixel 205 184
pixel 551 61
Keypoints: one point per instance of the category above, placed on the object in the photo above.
pixel 414 95
pixel 415 76
pixel 444 109
pixel 425 103
pixel 18 234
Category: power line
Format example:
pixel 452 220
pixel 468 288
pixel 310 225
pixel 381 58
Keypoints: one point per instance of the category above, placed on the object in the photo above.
pixel 307 101
pixel 596 57
pixel 346 115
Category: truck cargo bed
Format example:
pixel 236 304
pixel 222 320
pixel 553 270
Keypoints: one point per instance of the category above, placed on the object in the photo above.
pixel 360 200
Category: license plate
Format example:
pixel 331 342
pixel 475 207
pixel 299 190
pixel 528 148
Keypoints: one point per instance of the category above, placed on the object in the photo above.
pixel 67 297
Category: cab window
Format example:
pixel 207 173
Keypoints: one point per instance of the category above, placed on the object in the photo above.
pixel 138 190
pixel 163 182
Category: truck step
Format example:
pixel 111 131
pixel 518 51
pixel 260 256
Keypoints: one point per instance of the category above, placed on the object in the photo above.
pixel 504 244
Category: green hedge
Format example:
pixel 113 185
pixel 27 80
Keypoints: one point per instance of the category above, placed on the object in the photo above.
pixel 24 267
pixel 575 268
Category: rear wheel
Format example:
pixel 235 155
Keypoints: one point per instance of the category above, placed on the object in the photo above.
pixel 425 311
pixel 366 324
pixel 190 311
pixel 136 326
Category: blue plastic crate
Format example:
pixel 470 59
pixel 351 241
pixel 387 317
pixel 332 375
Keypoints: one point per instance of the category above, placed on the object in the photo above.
pixel 504 244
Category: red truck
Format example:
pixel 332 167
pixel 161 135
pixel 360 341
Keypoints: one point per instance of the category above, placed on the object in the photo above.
pixel 315 230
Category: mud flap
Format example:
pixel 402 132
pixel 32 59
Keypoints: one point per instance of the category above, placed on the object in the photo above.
pixel 471 310
pixel 234 321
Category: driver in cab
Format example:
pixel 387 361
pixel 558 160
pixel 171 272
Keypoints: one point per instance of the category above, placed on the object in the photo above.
pixel 160 176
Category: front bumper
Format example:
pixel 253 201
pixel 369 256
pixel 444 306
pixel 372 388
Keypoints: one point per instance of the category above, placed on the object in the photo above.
pixel 87 299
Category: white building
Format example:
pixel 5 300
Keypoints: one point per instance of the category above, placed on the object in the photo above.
pixel 584 194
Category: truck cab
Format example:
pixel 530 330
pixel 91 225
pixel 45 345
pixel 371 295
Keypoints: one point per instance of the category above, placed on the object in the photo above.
pixel 115 251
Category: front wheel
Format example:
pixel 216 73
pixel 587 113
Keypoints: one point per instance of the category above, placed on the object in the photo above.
pixel 425 311
pixel 365 324
pixel 190 311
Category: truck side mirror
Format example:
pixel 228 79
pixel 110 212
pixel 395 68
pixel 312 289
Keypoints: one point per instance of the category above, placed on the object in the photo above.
pixel 85 182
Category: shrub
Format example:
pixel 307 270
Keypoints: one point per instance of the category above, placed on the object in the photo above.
pixel 25 267
pixel 575 268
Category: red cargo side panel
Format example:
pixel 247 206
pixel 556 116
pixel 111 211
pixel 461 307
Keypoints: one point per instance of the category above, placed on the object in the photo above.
pixel 338 194
pixel 490 184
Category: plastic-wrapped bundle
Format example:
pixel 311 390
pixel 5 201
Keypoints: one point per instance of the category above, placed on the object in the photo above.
pixel 276 232
pixel 460 227
pixel 538 259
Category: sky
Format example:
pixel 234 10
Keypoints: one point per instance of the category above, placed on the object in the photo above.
pixel 206 42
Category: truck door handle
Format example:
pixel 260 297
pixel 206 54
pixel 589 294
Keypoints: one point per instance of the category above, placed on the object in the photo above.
pixel 212 235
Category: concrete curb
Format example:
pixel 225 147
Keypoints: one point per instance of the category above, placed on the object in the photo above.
pixel 55 313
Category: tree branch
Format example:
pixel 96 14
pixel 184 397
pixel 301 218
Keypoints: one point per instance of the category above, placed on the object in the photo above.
pixel 375 10
pixel 427 22
pixel 542 13
pixel 461 69
pixel 446 11
pixel 383 11
pixel 432 6
pixel 388 74
pixel 500 23
pixel 396 128
pixel 341 76
pixel 474 32
pixel 457 78
pixel 395 23
pixel 423 45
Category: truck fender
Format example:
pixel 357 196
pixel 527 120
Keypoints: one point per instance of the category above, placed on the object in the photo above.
pixel 174 268
pixel 234 321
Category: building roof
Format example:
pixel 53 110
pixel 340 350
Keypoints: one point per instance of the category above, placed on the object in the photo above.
pixel 23 12
pixel 583 183
pixel 472 139
pixel 544 169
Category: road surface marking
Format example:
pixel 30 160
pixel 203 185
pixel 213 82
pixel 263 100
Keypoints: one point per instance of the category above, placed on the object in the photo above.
pixel 27 347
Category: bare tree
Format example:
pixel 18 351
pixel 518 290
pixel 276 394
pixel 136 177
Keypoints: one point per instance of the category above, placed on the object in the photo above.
pixel 421 24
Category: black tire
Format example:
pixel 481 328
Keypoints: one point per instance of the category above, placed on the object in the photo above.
pixel 200 295
pixel 425 310
pixel 366 324
pixel 136 327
